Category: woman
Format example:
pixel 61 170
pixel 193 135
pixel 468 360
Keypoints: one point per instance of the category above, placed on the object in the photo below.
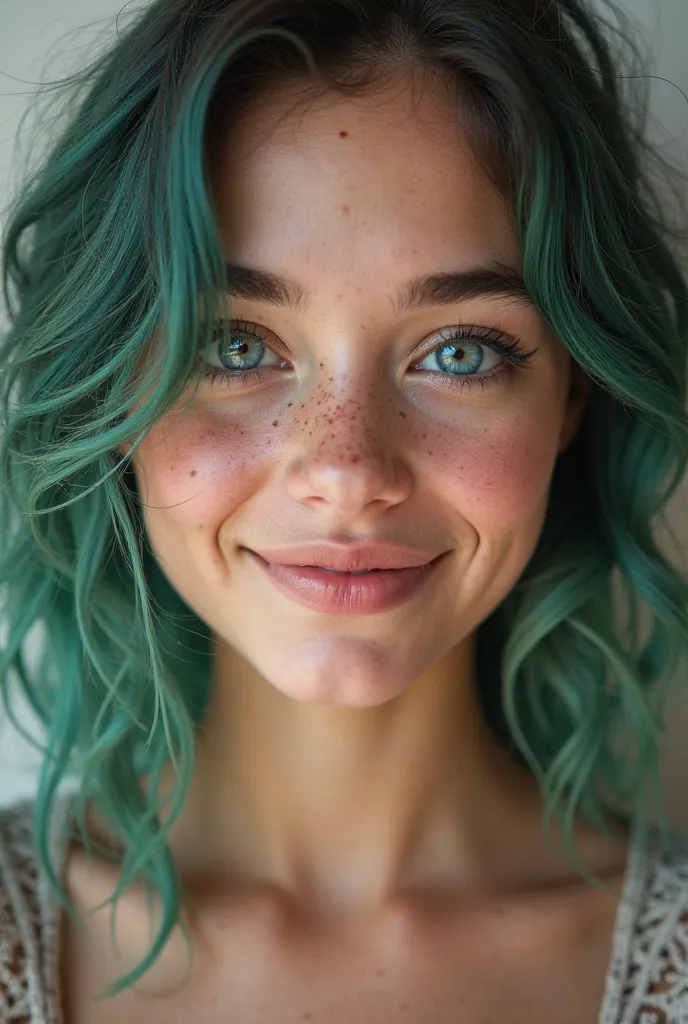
pixel 346 363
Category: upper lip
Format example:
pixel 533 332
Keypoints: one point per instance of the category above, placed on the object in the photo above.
pixel 348 557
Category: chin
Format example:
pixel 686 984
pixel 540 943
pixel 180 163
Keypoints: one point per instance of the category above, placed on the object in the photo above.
pixel 340 673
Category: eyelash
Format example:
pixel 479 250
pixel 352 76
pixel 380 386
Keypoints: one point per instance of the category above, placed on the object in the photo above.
pixel 488 337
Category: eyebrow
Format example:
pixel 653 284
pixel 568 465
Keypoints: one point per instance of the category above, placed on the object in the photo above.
pixel 485 280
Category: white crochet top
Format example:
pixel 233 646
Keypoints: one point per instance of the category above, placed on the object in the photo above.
pixel 647 977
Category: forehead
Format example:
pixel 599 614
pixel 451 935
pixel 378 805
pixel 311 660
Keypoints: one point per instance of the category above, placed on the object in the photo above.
pixel 385 175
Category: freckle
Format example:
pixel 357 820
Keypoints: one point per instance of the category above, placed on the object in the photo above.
pixel 331 378
pixel 275 423
pixel 290 405
pixel 403 415
pixel 343 134
pixel 345 208
pixel 192 473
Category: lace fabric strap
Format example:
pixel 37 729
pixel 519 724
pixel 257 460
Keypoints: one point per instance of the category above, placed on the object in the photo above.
pixel 21 996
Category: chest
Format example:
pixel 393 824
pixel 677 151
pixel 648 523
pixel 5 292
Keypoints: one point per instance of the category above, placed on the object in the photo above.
pixel 468 972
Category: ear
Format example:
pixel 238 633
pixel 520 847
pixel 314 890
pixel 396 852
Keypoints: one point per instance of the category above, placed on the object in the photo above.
pixel 576 402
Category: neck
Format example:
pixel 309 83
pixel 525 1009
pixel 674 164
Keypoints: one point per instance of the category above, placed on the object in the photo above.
pixel 343 806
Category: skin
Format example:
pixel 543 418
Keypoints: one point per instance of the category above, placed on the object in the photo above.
pixel 344 758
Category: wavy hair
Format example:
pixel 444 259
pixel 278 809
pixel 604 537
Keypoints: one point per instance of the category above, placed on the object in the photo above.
pixel 108 245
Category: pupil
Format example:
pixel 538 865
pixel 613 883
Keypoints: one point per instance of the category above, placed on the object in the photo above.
pixel 457 357
pixel 241 353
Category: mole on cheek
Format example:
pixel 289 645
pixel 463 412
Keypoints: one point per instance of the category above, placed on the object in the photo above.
pixel 344 208
pixel 192 473
pixel 343 134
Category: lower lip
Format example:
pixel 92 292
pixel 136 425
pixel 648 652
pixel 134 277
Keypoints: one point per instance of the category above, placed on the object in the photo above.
pixel 342 593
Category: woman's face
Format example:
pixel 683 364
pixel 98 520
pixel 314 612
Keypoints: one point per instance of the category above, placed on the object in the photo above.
pixel 365 412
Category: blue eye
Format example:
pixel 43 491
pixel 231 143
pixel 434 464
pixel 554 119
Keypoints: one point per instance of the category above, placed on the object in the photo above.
pixel 461 357
pixel 239 353
pixel 465 351
pixel 457 356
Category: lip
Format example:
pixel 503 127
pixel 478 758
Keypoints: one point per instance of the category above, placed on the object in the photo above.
pixel 382 589
pixel 348 557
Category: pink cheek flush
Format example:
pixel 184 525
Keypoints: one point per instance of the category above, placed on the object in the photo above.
pixel 497 472
pixel 200 469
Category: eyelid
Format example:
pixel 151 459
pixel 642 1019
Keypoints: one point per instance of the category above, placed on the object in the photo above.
pixel 474 333
pixel 435 349
pixel 249 327
pixel 448 334
pixel 270 340
pixel 514 358
pixel 491 338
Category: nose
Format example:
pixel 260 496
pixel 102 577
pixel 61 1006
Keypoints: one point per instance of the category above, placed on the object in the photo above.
pixel 349 456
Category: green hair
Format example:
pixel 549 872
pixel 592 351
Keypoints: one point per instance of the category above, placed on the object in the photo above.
pixel 108 246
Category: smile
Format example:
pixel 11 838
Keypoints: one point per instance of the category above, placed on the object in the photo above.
pixel 348 592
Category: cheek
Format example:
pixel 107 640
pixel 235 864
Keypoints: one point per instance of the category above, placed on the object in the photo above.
pixel 500 473
pixel 194 474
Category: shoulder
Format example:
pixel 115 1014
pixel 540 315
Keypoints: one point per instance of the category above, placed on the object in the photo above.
pixel 19 914
pixel 656 987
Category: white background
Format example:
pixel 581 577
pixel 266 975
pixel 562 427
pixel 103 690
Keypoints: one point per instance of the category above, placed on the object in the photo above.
pixel 44 39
